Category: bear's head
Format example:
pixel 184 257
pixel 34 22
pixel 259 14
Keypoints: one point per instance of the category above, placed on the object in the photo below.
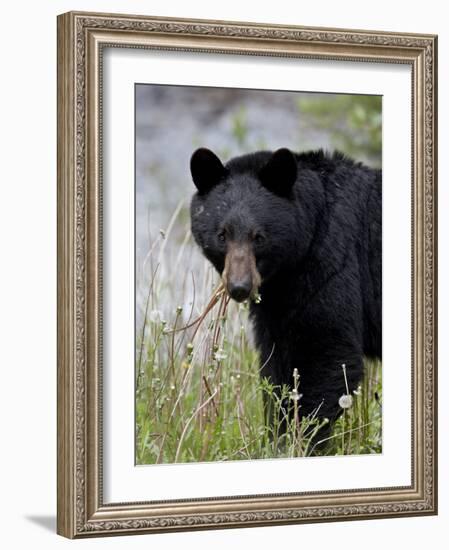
pixel 244 216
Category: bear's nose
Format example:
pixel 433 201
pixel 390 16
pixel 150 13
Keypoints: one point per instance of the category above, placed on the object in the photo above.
pixel 240 290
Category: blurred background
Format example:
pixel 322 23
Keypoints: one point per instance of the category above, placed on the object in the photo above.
pixel 172 121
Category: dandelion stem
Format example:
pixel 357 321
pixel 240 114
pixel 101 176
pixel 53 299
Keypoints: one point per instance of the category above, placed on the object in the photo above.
pixel 346 379
pixel 184 431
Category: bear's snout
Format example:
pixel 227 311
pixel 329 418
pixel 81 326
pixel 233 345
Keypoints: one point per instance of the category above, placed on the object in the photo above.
pixel 240 290
pixel 240 274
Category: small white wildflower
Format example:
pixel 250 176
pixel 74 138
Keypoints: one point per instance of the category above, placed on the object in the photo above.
pixel 220 355
pixel 345 401
pixel 295 396
pixel 296 378
pixel 358 391
pixel 156 316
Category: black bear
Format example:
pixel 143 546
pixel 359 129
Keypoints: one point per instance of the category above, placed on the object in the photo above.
pixel 302 233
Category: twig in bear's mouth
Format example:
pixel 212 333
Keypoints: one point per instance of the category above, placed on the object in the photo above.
pixel 219 294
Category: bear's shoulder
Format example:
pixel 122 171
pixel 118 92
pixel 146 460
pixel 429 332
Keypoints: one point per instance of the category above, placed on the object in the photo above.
pixel 316 160
pixel 321 160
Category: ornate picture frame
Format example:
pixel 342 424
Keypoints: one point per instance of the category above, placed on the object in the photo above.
pixel 82 38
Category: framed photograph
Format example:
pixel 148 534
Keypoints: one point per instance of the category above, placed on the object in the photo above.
pixel 246 274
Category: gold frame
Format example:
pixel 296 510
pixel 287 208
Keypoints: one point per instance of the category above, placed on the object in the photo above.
pixel 81 37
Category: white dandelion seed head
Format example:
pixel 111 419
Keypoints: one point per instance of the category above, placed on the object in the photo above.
pixel 345 401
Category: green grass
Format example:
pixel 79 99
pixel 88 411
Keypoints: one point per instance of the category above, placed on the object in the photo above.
pixel 354 123
pixel 199 394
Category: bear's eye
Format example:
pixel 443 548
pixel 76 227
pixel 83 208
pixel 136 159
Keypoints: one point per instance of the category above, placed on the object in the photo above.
pixel 221 237
pixel 259 238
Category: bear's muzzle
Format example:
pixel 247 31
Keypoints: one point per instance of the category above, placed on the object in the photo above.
pixel 240 275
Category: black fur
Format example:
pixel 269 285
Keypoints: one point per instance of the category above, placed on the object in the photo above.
pixel 320 259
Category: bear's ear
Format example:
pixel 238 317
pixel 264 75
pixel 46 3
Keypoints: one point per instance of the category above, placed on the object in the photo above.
pixel 280 172
pixel 207 170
